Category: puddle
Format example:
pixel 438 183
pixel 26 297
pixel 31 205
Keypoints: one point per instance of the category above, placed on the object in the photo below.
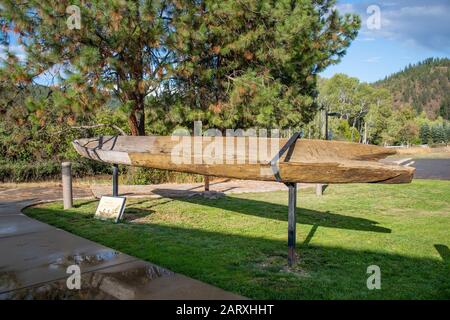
pixel 83 260
pixel 127 281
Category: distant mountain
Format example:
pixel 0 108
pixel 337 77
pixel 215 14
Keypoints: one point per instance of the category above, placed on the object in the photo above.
pixel 425 86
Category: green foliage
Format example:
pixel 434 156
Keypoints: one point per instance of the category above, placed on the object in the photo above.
pixel 341 130
pixel 143 176
pixel 255 63
pixel 364 108
pixel 425 133
pixel 444 109
pixel 402 128
pixel 425 86
pixel 438 134
pixel 116 53
pixel 38 171
pixel 36 134
pixel 447 131
pixel 371 113
pixel 232 64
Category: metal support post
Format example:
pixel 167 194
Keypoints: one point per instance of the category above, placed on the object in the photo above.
pixel 292 223
pixel 115 180
pixel 292 202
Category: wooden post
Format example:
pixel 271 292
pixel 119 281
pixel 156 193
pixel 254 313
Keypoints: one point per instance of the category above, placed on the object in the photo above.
pixel 115 180
pixel 67 185
pixel 292 223
pixel 206 178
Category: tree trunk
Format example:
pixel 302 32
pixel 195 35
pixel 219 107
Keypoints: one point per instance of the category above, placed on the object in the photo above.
pixel 136 119
pixel 353 129
pixel 365 133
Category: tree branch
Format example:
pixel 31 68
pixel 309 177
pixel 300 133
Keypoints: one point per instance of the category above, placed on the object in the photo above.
pixel 101 125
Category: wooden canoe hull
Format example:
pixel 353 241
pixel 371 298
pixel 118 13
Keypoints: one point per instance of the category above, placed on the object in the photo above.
pixel 308 161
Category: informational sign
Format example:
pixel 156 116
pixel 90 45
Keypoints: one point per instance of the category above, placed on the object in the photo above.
pixel 110 208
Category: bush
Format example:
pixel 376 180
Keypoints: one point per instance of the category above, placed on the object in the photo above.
pixel 27 172
pixel 140 176
pixel 51 170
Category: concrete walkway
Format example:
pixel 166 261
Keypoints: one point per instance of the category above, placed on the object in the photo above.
pixel 34 258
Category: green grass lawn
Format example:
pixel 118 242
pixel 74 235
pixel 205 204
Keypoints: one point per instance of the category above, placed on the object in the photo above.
pixel 238 242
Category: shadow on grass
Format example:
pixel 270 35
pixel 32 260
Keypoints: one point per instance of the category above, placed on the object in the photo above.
pixel 133 212
pixel 444 252
pixel 256 267
pixel 84 203
pixel 279 212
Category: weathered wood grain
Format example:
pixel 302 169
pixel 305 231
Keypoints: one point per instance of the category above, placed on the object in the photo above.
pixel 308 161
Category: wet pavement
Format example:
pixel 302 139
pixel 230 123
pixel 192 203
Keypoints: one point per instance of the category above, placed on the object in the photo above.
pixel 432 169
pixel 34 259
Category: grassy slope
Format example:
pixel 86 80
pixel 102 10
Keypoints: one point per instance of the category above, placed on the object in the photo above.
pixel 239 242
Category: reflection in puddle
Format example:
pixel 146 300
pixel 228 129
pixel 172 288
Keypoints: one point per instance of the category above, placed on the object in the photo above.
pixel 125 281
pixel 83 260
pixel 8 279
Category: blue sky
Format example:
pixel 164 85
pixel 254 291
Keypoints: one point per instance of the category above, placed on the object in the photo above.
pixel 410 31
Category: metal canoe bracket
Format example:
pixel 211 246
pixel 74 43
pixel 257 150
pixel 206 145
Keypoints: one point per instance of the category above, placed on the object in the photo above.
pixel 292 201
pixel 274 162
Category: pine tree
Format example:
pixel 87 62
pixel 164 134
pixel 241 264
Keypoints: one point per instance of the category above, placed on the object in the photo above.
pixel 447 134
pixel 425 133
pixel 444 109
pixel 232 63
pixel 116 51
pixel 255 62
pixel 421 85
pixel 437 133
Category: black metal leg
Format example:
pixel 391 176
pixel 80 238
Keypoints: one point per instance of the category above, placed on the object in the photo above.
pixel 292 203
pixel 115 180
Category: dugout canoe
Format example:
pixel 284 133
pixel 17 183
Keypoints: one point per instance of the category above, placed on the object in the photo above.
pixel 306 161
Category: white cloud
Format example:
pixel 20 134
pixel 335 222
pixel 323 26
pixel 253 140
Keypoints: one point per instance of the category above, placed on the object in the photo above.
pixel 413 22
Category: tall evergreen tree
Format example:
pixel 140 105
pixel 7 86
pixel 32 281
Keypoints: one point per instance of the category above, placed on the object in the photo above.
pixel 255 62
pixel 117 50
pixel 438 134
pixel 444 108
pixel 238 63
pixel 447 133
pixel 425 133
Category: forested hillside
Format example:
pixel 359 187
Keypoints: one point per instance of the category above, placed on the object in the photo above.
pixel 425 86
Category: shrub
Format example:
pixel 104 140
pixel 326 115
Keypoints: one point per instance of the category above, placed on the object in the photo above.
pixel 38 171
pixel 141 176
